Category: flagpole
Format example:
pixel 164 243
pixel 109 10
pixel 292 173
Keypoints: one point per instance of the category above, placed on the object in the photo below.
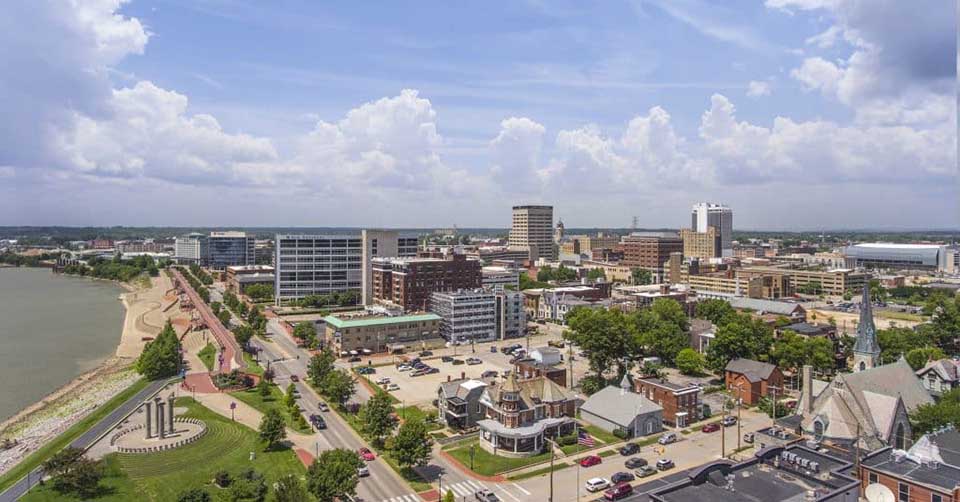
pixel 576 427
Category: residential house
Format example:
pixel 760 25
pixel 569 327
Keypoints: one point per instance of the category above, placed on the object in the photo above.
pixel 458 402
pixel 939 377
pixel 929 471
pixel 751 380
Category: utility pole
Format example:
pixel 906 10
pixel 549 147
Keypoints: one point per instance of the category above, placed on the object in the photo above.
pixel 570 362
pixel 723 435
pixel 552 454
pixel 739 408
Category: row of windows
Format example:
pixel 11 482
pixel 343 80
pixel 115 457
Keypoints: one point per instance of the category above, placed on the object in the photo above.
pixel 903 489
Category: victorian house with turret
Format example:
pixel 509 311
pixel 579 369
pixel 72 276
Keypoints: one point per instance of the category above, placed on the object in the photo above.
pixel 520 415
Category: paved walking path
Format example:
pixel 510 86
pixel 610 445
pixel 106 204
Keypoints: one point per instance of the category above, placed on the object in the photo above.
pixel 232 356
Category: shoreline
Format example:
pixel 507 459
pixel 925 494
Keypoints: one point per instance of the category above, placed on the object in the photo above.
pixel 40 422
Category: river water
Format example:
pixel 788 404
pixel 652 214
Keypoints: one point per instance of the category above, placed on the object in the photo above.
pixel 52 329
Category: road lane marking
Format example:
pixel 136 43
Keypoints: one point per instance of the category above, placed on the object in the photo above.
pixel 518 487
pixel 505 492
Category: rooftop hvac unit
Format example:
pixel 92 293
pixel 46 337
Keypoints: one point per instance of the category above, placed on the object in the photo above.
pixel 815 466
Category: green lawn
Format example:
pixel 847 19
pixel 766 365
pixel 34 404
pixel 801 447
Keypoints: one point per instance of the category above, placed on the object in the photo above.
pixel 274 400
pixel 413 412
pixel 539 472
pixel 207 355
pixel 900 316
pixel 61 441
pixel 252 366
pixel 488 464
pixel 162 476
pixel 600 434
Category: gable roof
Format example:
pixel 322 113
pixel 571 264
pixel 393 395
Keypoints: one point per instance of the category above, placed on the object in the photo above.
pixel 947 369
pixel 755 371
pixel 532 391
pixel 618 406
pixel 770 306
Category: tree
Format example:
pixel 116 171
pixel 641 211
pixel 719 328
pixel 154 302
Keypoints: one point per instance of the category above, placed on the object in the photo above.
pixel 411 447
pixel 714 310
pixel 896 342
pixel 289 488
pixel 260 292
pixel 290 398
pixel 659 330
pixel 930 417
pixel 224 317
pixel 641 276
pixel 604 335
pixel 249 486
pixel 741 336
pixel 160 357
pixel 306 332
pixel 333 474
pixel 919 357
pixel 690 362
pixel 194 495
pixel 243 334
pixel 338 386
pixel 71 472
pixel 263 387
pixel 320 366
pixel 272 428
pixel 376 417
pixel 596 273
pixel 449 497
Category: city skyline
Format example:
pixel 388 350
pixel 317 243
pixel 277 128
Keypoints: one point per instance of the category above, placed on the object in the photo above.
pixel 171 113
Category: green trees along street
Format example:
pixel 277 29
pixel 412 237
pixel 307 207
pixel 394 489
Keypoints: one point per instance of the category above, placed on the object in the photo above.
pixel 376 418
pixel 690 362
pixel 72 473
pixel 338 386
pixel 272 429
pixel 306 332
pixel 411 446
pixel 334 474
pixel 319 367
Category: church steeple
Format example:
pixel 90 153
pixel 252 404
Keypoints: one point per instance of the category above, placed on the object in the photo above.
pixel 866 351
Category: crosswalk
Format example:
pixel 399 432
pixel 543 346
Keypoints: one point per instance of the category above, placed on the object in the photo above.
pixel 466 489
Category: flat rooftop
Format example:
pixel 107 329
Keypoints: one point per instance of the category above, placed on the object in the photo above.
pixel 757 483
pixel 376 320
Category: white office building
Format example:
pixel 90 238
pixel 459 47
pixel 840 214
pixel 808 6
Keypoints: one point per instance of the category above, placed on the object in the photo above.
pixel 511 317
pixel 317 265
pixel 467 315
pixel 191 249
pixel 495 278
pixel 718 216
pixel 532 230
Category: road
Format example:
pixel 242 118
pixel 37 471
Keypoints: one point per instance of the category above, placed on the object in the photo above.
pixel 383 484
pixel 89 437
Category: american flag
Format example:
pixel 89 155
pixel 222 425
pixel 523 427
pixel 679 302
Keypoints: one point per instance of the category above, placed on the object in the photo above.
pixel 585 439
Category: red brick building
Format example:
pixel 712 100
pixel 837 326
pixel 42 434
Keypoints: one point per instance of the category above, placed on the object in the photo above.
pixel 409 282
pixel 681 404
pixel 650 251
pixel 928 472
pixel 752 380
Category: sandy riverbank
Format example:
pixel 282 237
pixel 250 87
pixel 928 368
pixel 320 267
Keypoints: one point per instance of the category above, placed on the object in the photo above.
pixel 147 310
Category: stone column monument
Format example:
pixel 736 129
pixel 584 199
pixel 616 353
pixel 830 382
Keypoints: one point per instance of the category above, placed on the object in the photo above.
pixel 170 413
pixel 161 430
pixel 149 411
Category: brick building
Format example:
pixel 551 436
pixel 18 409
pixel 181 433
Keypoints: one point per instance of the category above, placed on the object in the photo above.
pixel 649 251
pixel 752 380
pixel 409 282
pixel 928 472
pixel 681 404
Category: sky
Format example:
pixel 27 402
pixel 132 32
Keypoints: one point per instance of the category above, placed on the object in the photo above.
pixel 799 114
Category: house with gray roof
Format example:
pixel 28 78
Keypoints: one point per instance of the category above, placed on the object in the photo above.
pixel 618 408
pixel 458 402
pixel 752 380
pixel 929 470
pixel 939 377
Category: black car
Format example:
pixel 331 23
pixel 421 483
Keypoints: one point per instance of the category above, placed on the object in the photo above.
pixel 426 353
pixel 446 359
pixel 431 371
pixel 635 462
pixel 458 361
pixel 629 449
pixel 621 477
pixel 318 422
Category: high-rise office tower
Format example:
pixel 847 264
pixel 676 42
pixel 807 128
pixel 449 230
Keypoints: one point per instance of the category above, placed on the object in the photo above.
pixel 532 229
pixel 382 243
pixel 719 217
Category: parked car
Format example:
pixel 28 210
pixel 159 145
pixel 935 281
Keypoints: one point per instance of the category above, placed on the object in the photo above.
pixel 366 370
pixel 620 477
pixel 363 471
pixel 404 367
pixel 664 464
pixel 393 387
pixel 425 353
pixel 670 437
pixel 594 485
pixel 486 496
pixel 493 349
pixel 629 449
pixel 748 438
pixel 431 371
pixel 473 360
pixel 383 380
pixel 712 427
pixel 729 420
pixel 354 359
pixel 446 359
pixel 590 460
pixel 645 471
pixel 294 378
pixel 419 373
pixel 489 374
pixel 366 454
pixel 635 462
pixel 323 406
pixel 618 491
pixel 458 362
pixel 556 343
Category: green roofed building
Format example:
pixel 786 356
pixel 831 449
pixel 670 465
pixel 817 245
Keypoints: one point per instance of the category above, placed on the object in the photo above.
pixel 365 333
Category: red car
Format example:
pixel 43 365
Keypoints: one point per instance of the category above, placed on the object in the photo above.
pixel 619 491
pixel 714 427
pixel 590 461
pixel 366 454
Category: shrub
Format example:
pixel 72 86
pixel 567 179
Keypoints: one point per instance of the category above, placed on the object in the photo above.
pixel 620 433
pixel 222 478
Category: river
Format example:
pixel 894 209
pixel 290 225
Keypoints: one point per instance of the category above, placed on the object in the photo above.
pixel 52 329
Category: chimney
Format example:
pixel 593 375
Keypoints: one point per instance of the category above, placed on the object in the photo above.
pixel 448 378
pixel 807 391
pixel 463 374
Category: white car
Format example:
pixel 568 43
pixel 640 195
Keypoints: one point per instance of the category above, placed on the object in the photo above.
pixel 668 438
pixel 393 387
pixel 363 471
pixel 404 367
pixel 594 485
pixel 383 380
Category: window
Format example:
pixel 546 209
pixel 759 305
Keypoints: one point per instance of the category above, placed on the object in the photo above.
pixel 936 497
pixel 904 495
pixel 872 478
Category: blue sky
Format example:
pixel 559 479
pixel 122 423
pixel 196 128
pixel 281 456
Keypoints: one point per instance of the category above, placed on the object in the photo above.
pixel 798 113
